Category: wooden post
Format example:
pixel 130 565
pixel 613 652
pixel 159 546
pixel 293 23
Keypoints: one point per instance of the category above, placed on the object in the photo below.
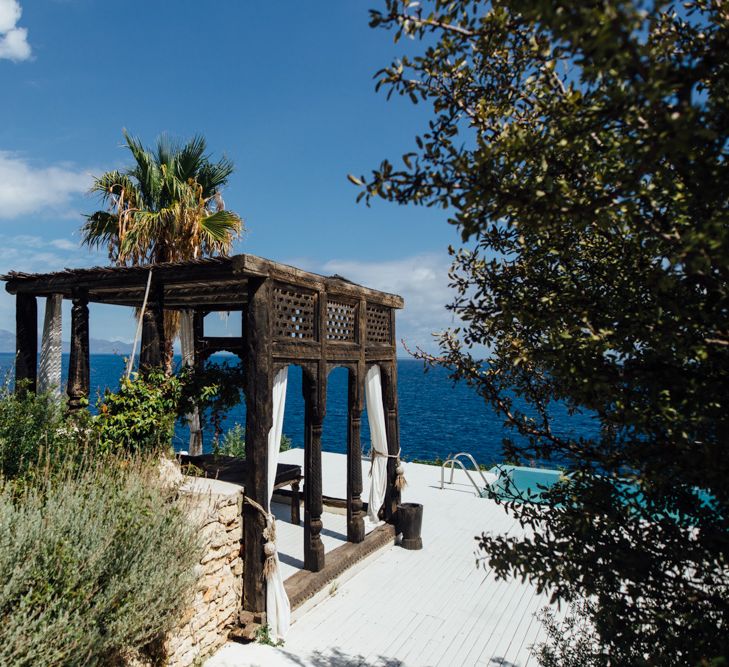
pixel 314 389
pixel 198 333
pixel 355 515
pixel 26 341
pixel 392 495
pixel 355 512
pixel 259 419
pixel 153 330
pixel 79 378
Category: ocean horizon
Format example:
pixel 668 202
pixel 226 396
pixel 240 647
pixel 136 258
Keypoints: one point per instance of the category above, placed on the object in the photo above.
pixel 437 417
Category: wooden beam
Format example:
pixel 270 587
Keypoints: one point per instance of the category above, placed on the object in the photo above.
pixel 238 267
pixel 259 419
pixel 303 585
pixel 26 342
pixel 79 373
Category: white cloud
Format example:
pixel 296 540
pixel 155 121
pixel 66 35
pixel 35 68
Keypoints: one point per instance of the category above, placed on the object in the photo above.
pixel 422 280
pixel 13 40
pixel 64 244
pixel 25 188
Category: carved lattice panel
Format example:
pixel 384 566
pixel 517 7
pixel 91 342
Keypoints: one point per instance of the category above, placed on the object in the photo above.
pixel 341 321
pixel 294 313
pixel 378 324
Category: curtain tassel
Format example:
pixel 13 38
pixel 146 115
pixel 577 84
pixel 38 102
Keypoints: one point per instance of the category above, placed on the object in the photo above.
pixel 400 481
pixel 269 549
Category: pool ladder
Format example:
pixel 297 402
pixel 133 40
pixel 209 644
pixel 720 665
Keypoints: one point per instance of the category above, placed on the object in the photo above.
pixel 451 462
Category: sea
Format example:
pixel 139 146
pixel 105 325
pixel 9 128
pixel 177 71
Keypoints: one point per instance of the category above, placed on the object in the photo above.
pixel 438 417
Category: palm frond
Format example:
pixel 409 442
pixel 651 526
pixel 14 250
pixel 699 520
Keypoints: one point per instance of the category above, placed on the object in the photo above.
pixel 214 175
pixel 146 170
pixel 112 184
pixel 191 157
pixel 221 228
pixel 100 228
pixel 167 149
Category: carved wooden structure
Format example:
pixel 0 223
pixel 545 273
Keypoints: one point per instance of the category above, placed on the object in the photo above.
pixel 289 317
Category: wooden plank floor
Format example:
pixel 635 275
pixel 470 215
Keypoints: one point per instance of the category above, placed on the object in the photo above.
pixel 414 608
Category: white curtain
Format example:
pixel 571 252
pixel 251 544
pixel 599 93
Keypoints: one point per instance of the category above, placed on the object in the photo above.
pixel 278 609
pixel 378 433
pixel 49 372
pixel 187 345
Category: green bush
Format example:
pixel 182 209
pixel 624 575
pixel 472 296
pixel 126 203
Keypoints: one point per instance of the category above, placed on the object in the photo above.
pixel 35 433
pixel 233 442
pixel 95 567
pixel 141 416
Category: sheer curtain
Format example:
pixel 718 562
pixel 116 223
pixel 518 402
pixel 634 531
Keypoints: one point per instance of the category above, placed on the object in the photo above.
pixel 378 433
pixel 49 375
pixel 278 609
pixel 187 345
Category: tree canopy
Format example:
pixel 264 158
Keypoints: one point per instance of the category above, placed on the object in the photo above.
pixel 166 207
pixel 580 148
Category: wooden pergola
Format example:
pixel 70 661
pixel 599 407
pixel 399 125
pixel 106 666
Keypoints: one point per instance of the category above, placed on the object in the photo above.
pixel 289 317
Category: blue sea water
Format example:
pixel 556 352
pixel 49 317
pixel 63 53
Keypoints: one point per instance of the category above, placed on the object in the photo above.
pixel 437 418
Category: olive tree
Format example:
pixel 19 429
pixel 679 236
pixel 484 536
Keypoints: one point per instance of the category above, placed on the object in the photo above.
pixel 580 148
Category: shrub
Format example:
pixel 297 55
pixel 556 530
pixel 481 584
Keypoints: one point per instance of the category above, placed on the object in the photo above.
pixel 35 433
pixel 94 568
pixel 233 442
pixel 573 642
pixel 141 416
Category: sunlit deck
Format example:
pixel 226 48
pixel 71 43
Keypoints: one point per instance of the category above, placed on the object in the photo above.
pixel 429 607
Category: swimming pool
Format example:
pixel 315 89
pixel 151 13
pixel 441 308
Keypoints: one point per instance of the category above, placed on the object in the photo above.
pixel 523 483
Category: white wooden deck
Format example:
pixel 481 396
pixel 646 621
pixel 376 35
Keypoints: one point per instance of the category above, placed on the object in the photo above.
pixel 414 608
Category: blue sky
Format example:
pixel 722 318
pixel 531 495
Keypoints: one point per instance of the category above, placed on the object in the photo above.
pixel 284 89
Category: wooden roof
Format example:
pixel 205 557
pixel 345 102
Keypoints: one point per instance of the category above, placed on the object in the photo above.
pixel 217 283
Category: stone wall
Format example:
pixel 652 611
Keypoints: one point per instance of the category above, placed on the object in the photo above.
pixel 216 507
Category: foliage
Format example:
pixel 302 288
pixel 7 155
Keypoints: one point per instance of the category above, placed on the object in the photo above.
pixel 35 433
pixel 263 636
pixel 571 641
pixel 166 207
pixel 141 416
pixel 581 151
pixel 234 442
pixel 98 564
pixel 214 389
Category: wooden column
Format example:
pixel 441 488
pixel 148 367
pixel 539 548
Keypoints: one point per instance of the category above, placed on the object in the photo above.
pixel 355 514
pixel 314 389
pixel 79 378
pixel 259 419
pixel 392 495
pixel 153 331
pixel 26 341
pixel 198 333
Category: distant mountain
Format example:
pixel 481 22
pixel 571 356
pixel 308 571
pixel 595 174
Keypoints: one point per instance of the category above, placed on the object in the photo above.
pixel 96 345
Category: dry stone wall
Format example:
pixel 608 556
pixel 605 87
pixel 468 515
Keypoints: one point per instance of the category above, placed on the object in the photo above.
pixel 216 507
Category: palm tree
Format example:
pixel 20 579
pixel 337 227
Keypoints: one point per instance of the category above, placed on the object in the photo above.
pixel 165 208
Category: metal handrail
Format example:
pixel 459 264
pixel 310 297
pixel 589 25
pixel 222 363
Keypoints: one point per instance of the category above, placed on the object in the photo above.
pixel 457 460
